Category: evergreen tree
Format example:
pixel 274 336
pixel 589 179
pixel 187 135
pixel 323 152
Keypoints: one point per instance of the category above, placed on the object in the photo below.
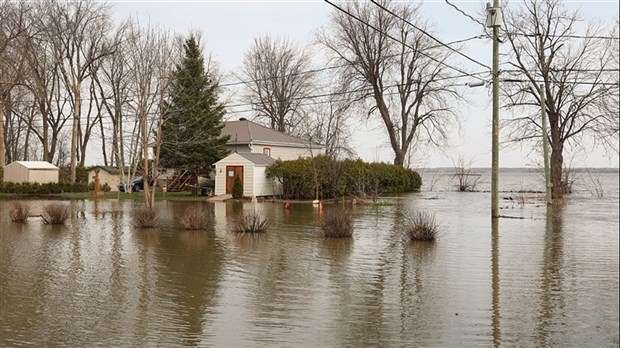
pixel 193 118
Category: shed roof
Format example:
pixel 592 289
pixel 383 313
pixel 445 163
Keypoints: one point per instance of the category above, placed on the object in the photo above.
pixel 245 132
pixel 36 164
pixel 257 158
pixel 109 169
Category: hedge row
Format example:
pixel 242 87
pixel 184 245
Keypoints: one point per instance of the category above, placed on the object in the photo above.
pixel 11 187
pixel 300 178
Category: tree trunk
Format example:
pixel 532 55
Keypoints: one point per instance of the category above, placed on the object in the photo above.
pixel 74 132
pixel 557 160
pixel 2 148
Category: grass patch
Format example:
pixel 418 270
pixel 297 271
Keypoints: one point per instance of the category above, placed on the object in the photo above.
pixel 337 223
pixel 253 222
pixel 19 211
pixel 55 213
pixel 144 217
pixel 195 218
pixel 422 227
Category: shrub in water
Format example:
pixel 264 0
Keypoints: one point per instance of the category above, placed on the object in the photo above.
pixel 55 213
pixel 337 224
pixel 252 222
pixel 19 211
pixel 144 217
pixel 195 218
pixel 422 227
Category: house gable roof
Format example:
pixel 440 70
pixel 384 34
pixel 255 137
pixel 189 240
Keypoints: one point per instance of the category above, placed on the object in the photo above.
pixel 246 132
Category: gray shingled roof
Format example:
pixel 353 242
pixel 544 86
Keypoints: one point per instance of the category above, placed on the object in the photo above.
pixel 257 158
pixel 245 132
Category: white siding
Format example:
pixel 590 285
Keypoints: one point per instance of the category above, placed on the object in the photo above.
pixel 105 177
pixel 18 173
pixel 262 185
pixel 220 174
pixel 286 153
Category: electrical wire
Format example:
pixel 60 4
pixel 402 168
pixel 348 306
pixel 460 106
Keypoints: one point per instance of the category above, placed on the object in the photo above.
pixel 429 35
pixel 397 40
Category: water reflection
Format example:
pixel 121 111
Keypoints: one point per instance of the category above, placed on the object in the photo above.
pixel 551 296
pixel 495 282
pixel 97 280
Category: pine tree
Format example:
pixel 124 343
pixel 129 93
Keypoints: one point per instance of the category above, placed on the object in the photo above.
pixel 193 118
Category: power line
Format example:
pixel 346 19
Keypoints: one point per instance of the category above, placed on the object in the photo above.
pixel 311 71
pixel 397 40
pixel 465 14
pixel 429 35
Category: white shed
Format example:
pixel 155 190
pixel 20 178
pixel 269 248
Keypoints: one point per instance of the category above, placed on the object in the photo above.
pixel 250 167
pixel 31 171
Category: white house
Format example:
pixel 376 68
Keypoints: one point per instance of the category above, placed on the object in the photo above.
pixel 250 168
pixel 247 136
pixel 252 148
pixel 31 171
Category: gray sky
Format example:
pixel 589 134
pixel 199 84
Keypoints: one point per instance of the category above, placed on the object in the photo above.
pixel 229 28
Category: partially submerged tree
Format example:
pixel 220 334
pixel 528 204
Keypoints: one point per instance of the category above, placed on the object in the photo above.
pixel 277 82
pixel 405 81
pixel 191 131
pixel 548 48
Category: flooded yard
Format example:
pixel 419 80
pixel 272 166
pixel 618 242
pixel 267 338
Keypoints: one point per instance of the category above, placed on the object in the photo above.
pixel 538 277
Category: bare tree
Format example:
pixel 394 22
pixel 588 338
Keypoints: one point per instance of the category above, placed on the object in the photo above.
pixel 151 56
pixel 405 81
pixel 327 124
pixel 278 81
pixel 78 31
pixel 545 48
pixel 13 25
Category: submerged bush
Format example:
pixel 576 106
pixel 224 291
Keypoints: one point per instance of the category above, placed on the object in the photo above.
pixel 19 211
pixel 422 227
pixel 55 213
pixel 337 224
pixel 195 218
pixel 253 222
pixel 144 217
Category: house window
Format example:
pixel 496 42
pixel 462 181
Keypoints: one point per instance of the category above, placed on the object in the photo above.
pixel 267 151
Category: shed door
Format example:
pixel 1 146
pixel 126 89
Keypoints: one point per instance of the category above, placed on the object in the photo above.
pixel 231 173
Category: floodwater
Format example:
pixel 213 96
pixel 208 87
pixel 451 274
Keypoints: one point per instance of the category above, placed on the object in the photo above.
pixel 538 277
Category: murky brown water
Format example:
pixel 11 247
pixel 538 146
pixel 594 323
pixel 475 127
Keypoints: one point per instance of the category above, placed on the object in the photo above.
pixel 549 279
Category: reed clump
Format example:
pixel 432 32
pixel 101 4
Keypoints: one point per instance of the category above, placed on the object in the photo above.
pixel 252 222
pixel 195 218
pixel 55 213
pixel 144 217
pixel 337 224
pixel 19 211
pixel 422 227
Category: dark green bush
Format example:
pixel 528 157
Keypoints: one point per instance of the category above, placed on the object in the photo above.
pixel 81 174
pixel 237 189
pixel 36 188
pixel 299 178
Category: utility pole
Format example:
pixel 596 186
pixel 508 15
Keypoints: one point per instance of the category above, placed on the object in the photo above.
pixel 494 19
pixel 543 111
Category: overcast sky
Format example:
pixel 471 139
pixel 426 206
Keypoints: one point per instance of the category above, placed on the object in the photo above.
pixel 229 28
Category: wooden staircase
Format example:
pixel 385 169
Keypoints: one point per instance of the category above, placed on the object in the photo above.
pixel 180 181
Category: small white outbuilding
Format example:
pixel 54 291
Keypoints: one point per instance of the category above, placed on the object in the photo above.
pixel 31 171
pixel 250 168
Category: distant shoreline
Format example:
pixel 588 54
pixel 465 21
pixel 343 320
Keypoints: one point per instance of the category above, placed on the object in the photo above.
pixel 520 170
